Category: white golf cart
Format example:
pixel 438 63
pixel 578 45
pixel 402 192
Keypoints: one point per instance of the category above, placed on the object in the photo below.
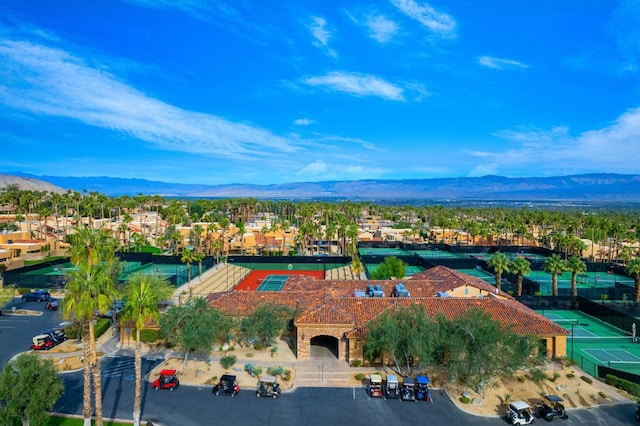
pixel 519 413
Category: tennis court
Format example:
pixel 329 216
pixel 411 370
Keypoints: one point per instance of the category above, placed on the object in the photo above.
pixel 439 254
pixel 480 273
pixel 594 342
pixel 584 280
pixel 383 252
pixel 272 283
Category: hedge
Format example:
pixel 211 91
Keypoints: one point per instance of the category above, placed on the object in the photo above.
pixel 149 335
pixel 101 326
pixel 625 385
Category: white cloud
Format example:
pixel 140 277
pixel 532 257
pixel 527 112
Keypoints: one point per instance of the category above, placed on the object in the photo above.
pixel 303 122
pixel 438 22
pixel 49 81
pixel 484 170
pixel 320 171
pixel 319 31
pixel 321 35
pixel 380 28
pixel 357 84
pixel 613 148
pixel 500 63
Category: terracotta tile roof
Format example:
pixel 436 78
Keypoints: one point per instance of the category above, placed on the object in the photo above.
pixel 450 278
pixel 322 302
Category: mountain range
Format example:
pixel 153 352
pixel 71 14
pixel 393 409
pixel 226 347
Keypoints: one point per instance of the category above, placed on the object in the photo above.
pixel 595 187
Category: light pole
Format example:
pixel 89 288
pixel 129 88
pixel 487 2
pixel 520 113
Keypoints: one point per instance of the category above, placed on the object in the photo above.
pixel 572 324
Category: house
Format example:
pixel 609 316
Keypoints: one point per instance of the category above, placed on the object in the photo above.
pixel 329 313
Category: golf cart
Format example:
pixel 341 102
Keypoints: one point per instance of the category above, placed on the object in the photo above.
pixel 375 386
pixel 42 342
pixel 268 386
pixel 53 305
pixel 166 380
pixel 391 389
pixel 422 388
pixel 519 413
pixel 408 391
pixel 552 407
pixel 227 384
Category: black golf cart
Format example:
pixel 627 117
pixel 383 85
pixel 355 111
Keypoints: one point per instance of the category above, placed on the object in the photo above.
pixel 227 384
pixel 268 386
pixel 391 388
pixel 408 392
pixel 552 407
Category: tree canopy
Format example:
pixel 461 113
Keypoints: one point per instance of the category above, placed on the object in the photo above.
pixel 29 386
pixel 390 267
pixel 194 327
pixel 473 348
pixel 266 323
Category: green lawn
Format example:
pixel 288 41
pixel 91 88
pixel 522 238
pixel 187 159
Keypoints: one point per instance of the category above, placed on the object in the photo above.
pixel 67 421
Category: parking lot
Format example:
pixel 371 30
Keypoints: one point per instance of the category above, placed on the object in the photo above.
pixel 16 331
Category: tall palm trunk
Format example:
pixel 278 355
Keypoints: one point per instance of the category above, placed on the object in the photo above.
pixel 97 383
pixel 138 367
pixel 86 365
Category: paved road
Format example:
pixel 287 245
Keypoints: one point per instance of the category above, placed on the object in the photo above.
pixel 16 331
pixel 197 406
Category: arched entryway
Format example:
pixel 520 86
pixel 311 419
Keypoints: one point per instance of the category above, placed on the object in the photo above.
pixel 324 347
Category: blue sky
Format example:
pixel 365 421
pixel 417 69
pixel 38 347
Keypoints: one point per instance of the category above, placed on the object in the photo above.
pixel 265 91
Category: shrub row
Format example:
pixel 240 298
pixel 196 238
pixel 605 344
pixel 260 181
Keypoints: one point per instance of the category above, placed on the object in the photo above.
pixel 625 385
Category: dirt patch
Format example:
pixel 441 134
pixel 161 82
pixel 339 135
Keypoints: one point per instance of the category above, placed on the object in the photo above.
pixel 568 385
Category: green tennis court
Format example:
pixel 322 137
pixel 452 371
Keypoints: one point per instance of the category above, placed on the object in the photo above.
pixel 383 252
pixel 584 280
pixel 318 266
pixel 480 273
pixel 438 254
pixel 594 342
pixel 272 283
pixel 409 270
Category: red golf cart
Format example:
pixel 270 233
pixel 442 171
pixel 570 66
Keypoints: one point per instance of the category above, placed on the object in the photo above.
pixel 166 380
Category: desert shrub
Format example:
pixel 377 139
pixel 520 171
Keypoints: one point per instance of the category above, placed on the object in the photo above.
pixel 555 376
pixel 586 379
pixel 522 379
pixel 570 375
pixel 149 336
pixel 274 350
pixel 465 400
pixel 258 370
pixel 23 290
pixel 537 375
pixel 258 346
pixel 276 370
pixel 602 395
pixel 287 375
pixel 249 355
pixel 227 361
pixel 360 376
pixel 356 363
pixel 249 368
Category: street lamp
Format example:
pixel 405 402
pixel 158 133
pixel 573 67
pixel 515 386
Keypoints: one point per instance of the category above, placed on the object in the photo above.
pixel 572 324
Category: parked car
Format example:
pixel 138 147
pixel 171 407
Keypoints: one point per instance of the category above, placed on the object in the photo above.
pixel 116 308
pixel 36 296
pixel 519 413
pixel 552 406
pixel 408 392
pixel 268 386
pixel 391 388
pixel 375 386
pixel 227 384
pixel 166 380
pixel 422 388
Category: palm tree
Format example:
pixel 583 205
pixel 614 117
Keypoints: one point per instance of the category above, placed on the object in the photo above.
pixel 87 291
pixel 633 269
pixel 500 263
pixel 521 267
pixel 188 257
pixel 142 293
pixel 576 266
pixel 91 288
pixel 554 265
